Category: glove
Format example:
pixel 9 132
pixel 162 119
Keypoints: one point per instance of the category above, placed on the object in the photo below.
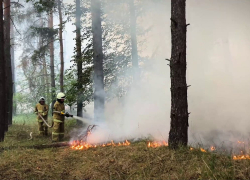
pixel 67 114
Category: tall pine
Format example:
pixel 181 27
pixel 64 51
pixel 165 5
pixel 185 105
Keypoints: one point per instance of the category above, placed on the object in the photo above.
pixel 99 95
pixel 178 134
pixel 3 75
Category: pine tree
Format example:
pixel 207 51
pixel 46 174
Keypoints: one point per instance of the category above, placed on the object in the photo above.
pixel 3 75
pixel 178 134
pixel 99 95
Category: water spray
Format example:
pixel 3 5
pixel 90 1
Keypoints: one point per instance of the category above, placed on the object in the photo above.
pixel 75 117
pixel 65 114
pixel 81 119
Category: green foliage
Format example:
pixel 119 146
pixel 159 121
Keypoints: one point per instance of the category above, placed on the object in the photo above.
pixel 23 102
pixel 46 33
pixel 25 119
pixel 23 124
pixel 39 54
pixel 35 38
pixel 83 85
pixel 116 48
pixel 43 5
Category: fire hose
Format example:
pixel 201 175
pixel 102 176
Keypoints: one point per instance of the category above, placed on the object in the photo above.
pixel 75 117
pixel 65 114
pixel 53 112
pixel 45 122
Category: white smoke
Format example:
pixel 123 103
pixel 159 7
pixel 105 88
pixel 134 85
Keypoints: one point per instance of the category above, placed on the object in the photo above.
pixel 218 64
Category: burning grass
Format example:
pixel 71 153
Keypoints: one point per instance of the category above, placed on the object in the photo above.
pixel 136 161
pixel 113 160
pixel 80 145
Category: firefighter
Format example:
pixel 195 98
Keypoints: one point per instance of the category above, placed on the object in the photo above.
pixel 58 118
pixel 41 110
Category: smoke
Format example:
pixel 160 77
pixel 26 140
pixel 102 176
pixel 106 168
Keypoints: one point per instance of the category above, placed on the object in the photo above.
pixel 217 70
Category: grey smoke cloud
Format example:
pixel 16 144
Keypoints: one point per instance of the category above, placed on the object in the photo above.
pixel 217 69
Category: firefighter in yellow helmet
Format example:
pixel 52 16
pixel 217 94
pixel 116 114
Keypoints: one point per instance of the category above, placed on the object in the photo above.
pixel 41 110
pixel 58 118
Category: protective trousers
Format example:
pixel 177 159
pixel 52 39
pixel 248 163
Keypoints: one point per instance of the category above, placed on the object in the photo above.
pixel 43 129
pixel 58 130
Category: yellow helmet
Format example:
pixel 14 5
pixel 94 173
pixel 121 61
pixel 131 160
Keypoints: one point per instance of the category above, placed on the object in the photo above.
pixel 60 95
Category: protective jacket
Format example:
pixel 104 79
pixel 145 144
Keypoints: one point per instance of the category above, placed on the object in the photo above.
pixel 60 108
pixel 42 110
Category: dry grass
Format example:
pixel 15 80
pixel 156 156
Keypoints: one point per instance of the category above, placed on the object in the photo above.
pixel 131 162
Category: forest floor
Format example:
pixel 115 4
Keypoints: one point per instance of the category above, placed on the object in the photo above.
pixel 18 160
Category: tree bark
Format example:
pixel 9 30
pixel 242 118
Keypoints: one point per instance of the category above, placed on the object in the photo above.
pixel 99 94
pixel 42 66
pixel 178 134
pixel 79 58
pixel 3 75
pixel 9 79
pixel 45 75
pixel 134 51
pixel 52 66
pixel 61 46
pixel 12 52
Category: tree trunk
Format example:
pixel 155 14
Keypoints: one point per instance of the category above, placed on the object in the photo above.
pixel 3 75
pixel 52 66
pixel 99 94
pixel 61 46
pixel 178 134
pixel 79 58
pixel 46 80
pixel 44 77
pixel 133 35
pixel 8 61
pixel 42 66
pixel 12 52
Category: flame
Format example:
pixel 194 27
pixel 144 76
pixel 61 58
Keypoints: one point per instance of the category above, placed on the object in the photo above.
pixel 240 157
pixel 126 143
pixel 149 144
pixel 80 145
pixel 157 144
pixel 212 148
pixel 203 150
pixel 241 142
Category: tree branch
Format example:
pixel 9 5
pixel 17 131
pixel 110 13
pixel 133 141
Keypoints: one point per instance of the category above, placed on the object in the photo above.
pixel 175 23
pixel 16 3
pixel 6 7
pixel 15 26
